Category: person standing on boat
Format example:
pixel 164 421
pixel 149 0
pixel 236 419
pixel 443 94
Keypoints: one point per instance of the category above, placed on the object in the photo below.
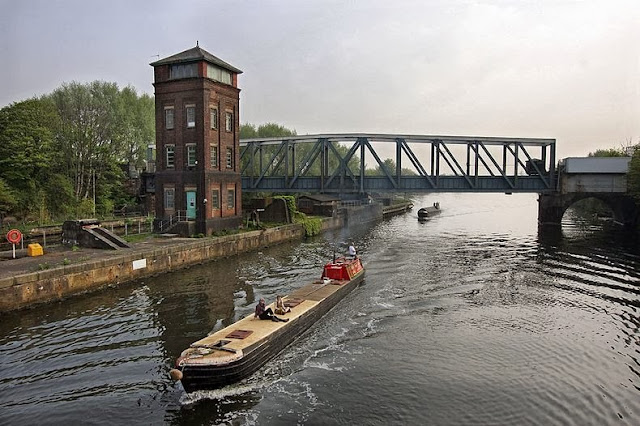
pixel 281 309
pixel 265 313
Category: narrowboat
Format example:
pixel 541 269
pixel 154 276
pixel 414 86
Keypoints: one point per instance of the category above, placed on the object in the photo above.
pixel 237 351
pixel 428 212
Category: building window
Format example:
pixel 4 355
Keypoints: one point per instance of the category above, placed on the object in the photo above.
pixel 183 71
pixel 191 155
pixel 168 118
pixel 213 113
pixel 228 123
pixel 215 199
pixel 171 156
pixel 231 199
pixel 169 198
pixel 218 74
pixel 229 158
pixel 214 156
pixel 191 115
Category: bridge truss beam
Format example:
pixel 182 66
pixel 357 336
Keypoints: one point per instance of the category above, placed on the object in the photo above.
pixel 353 163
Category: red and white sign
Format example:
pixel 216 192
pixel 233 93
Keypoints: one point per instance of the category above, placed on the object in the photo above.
pixel 14 236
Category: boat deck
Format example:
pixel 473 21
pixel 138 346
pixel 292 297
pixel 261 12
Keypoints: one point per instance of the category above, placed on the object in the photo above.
pixel 250 331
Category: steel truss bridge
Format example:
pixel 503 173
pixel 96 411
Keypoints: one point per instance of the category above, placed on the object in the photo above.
pixel 364 163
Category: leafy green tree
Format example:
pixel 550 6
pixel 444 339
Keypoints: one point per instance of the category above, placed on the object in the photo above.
pixel 266 130
pixel 88 134
pixel 590 206
pixel 633 176
pixel 8 200
pixel 69 146
pixel 273 130
pixel 390 166
pixel 136 116
pixel 248 131
pixel 612 152
pixel 59 196
pixel 101 127
pixel 26 149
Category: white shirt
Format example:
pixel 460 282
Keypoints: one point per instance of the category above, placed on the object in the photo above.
pixel 352 251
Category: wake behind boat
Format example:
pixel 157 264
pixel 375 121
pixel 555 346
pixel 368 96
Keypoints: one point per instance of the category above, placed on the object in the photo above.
pixel 240 349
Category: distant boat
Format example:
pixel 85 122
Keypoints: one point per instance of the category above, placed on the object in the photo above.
pixel 428 212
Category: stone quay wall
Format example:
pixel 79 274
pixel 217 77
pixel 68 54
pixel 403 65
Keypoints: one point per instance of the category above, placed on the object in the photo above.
pixel 24 290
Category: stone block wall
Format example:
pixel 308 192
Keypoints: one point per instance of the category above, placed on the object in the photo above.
pixel 59 283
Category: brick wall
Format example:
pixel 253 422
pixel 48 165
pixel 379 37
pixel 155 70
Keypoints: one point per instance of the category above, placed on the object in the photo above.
pixel 203 93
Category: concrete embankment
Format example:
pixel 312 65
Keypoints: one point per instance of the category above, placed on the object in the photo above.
pixel 29 288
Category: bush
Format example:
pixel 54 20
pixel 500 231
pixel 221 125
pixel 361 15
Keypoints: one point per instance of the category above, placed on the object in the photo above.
pixel 85 209
pixel 312 225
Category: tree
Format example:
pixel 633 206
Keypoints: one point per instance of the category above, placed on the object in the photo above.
pixel 390 166
pixel 88 135
pixel 273 130
pixel 59 196
pixel 266 130
pixel 611 152
pixel 100 128
pixel 248 131
pixel 591 206
pixel 8 200
pixel 68 148
pixel 26 149
pixel 137 129
pixel 633 176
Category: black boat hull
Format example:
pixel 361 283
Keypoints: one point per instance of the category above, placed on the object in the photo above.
pixel 207 377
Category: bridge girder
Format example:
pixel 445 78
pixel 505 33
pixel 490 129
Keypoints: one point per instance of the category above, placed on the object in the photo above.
pixel 337 163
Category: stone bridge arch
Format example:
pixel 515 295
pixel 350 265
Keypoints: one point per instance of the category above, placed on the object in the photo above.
pixel 551 207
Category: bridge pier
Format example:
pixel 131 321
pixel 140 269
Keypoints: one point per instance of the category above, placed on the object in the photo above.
pixel 551 207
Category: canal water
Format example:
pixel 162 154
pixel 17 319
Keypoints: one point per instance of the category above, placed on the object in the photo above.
pixel 474 317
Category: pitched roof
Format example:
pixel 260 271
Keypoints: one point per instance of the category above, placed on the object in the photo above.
pixel 193 55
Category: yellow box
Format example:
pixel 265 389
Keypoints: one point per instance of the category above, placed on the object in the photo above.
pixel 34 250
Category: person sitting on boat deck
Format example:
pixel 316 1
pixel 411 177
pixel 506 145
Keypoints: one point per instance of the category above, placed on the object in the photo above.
pixel 352 251
pixel 265 313
pixel 281 309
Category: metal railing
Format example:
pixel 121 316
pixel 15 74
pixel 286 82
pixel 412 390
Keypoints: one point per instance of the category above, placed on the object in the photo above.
pixel 49 236
pixel 167 224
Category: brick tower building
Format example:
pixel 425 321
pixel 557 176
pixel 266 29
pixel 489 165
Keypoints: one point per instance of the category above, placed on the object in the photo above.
pixel 197 177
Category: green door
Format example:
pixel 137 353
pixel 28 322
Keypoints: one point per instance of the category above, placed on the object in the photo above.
pixel 191 204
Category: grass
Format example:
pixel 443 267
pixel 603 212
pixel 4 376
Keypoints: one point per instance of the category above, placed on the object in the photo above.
pixel 136 238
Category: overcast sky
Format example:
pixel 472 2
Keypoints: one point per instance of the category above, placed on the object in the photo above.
pixel 567 70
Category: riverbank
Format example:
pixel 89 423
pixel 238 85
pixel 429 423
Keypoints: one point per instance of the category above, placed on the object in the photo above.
pixel 64 272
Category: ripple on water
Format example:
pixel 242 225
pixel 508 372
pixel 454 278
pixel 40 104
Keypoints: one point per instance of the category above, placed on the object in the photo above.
pixel 472 318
